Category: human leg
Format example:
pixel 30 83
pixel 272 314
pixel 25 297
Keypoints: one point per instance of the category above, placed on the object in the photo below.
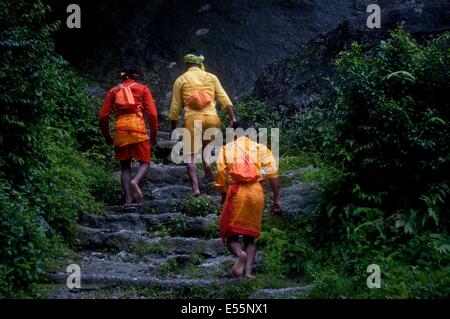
pixel 250 250
pixel 235 248
pixel 125 167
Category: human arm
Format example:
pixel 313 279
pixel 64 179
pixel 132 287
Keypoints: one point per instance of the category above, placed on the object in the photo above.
pixel 152 114
pixel 269 166
pixel 276 206
pixel 104 115
pixel 221 179
pixel 175 105
pixel 231 114
pixel 224 99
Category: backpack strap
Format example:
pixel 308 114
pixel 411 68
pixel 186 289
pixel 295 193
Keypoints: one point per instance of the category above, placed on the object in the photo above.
pixel 187 78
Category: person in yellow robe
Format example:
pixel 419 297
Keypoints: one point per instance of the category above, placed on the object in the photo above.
pixel 197 121
pixel 243 202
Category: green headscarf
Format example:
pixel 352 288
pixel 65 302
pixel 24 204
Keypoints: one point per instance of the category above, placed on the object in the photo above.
pixel 195 59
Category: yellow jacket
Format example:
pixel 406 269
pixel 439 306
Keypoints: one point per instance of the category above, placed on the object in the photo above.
pixel 195 78
pixel 260 155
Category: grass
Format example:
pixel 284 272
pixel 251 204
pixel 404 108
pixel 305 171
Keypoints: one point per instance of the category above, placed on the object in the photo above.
pixel 169 267
pixel 199 206
pixel 145 249
pixel 305 167
pixel 212 230
pixel 174 227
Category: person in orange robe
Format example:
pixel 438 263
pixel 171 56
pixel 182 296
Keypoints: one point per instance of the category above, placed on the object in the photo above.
pixel 131 140
pixel 244 201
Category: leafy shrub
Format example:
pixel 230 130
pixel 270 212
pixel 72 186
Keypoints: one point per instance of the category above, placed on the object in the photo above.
pixel 393 136
pixel 199 206
pixel 276 245
pixel 286 244
pixel 24 245
pixel 49 142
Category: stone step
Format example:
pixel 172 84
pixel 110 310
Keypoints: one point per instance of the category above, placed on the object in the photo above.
pixel 160 174
pixel 282 293
pixel 94 238
pixel 168 193
pixel 173 223
pixel 130 265
pixel 108 287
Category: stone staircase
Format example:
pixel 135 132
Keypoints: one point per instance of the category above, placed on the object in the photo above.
pixel 153 251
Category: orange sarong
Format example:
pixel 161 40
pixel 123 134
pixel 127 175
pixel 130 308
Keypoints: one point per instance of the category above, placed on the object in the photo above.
pixel 130 129
pixel 139 151
pixel 243 210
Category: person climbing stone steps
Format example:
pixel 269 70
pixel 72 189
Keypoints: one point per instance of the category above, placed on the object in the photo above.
pixel 129 101
pixel 197 89
pixel 239 179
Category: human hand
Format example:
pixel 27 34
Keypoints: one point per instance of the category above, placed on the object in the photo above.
pixel 276 207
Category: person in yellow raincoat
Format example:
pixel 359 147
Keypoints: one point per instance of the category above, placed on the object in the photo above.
pixel 243 195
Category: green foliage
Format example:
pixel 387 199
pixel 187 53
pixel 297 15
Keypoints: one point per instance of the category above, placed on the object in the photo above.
pixel 276 245
pixel 50 170
pixel 24 245
pixel 241 290
pixel 393 134
pixel 253 111
pixel 308 130
pixel 199 206
pixel 173 227
pixel 144 249
pixel 169 267
pixel 286 244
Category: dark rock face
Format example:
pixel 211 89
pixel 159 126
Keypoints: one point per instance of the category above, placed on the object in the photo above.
pixel 299 82
pixel 239 37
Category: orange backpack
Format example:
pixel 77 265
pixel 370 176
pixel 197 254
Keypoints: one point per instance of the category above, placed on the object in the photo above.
pixel 199 99
pixel 124 99
pixel 243 170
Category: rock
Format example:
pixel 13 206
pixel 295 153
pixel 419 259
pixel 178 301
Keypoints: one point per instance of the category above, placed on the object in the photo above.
pixel 170 192
pixel 243 32
pixel 160 174
pixel 96 91
pixel 182 224
pixel 300 198
pixel 283 293
pixel 191 245
pixel 204 8
pixel 299 82
pixel 202 31
pixel 125 239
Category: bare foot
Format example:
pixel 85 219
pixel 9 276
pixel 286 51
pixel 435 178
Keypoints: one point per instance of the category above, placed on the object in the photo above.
pixel 126 205
pixel 138 196
pixel 196 192
pixel 239 265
